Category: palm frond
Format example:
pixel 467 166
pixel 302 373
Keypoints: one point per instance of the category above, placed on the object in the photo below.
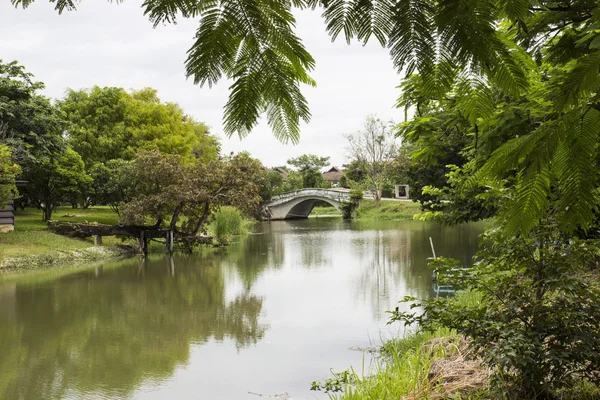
pixel 531 200
pixel 577 175
pixel 252 42
pixel 582 80
pixel 359 19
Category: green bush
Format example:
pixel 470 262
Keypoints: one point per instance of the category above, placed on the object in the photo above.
pixel 356 194
pixel 536 318
pixel 227 221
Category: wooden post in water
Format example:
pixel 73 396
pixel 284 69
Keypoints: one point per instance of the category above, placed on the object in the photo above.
pixel 432 248
pixel 437 286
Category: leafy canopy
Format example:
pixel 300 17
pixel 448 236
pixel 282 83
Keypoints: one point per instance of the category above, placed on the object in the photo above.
pixel 254 44
pixel 109 123
pixel 309 167
pixel 544 50
pixel 8 173
pixel 29 123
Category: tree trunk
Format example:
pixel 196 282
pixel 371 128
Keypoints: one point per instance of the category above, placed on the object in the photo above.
pixel 47 212
pixel 175 217
pixel 203 219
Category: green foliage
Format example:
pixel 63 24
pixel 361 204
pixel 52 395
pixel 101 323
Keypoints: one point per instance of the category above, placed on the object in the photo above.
pixel 537 322
pixel 356 194
pixel 401 371
pixel 353 175
pixel 29 124
pixel 228 221
pixel 335 383
pixel 348 209
pixel 308 162
pixel 460 201
pixel 111 185
pixel 8 173
pixel 54 179
pixel 181 196
pixel 435 138
pixel 293 182
pixel 479 53
pixel 271 183
pixel 109 123
pixel 253 43
pixel 374 149
pixel 309 167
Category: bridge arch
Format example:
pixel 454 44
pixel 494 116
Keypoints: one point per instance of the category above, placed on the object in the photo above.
pixel 300 203
pixel 304 206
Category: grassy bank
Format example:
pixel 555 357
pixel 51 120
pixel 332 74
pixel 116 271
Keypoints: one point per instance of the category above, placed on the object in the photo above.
pixel 31 245
pixel 421 366
pixel 391 210
pixel 431 365
pixel 324 210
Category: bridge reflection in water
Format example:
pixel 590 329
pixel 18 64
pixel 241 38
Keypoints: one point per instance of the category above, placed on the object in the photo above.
pixel 299 203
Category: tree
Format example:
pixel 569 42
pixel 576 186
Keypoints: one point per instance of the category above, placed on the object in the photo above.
pixel 485 44
pixel 420 35
pixel 535 314
pixel 111 186
pixel 180 197
pixel 293 182
pixel 309 166
pixel 8 172
pixel 29 124
pixel 374 148
pixel 271 183
pixel 54 179
pixel 109 123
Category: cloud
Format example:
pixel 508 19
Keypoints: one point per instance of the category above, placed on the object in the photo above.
pixel 115 45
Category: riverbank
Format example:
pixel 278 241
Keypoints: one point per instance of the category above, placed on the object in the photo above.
pixel 388 210
pixel 32 246
pixel 420 366
pixel 431 365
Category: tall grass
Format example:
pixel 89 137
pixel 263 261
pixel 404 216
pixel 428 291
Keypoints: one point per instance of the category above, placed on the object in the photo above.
pixel 228 221
pixel 402 372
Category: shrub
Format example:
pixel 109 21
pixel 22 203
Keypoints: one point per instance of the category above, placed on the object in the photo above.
pixel 227 221
pixel 356 194
pixel 537 324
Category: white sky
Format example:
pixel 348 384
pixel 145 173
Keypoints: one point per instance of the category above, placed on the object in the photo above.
pixel 108 44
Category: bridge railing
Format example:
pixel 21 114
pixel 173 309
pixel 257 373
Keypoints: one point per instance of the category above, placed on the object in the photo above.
pixel 336 194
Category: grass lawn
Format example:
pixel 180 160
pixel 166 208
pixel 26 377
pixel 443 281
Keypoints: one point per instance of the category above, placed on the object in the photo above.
pixel 324 209
pixel 387 210
pixel 31 236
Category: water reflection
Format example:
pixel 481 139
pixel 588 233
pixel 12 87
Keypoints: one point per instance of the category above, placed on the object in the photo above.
pixel 108 330
pixel 275 310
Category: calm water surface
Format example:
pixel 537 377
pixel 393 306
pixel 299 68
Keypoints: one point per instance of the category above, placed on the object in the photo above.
pixel 267 315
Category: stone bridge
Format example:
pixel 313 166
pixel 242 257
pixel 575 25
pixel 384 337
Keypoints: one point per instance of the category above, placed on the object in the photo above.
pixel 299 203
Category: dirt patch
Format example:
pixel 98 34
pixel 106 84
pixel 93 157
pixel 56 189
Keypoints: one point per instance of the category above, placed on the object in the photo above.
pixel 458 371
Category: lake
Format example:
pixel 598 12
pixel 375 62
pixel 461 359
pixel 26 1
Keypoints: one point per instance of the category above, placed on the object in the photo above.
pixel 268 315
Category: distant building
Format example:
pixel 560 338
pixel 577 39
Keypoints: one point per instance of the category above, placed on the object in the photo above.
pixel 282 172
pixel 7 217
pixel 402 191
pixel 7 214
pixel 333 175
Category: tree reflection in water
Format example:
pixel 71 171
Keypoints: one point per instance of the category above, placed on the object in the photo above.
pixel 106 331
